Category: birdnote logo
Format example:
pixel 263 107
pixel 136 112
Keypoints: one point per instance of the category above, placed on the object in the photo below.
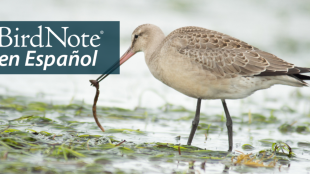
pixel 59 47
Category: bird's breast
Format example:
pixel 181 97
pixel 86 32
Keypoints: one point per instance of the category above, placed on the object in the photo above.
pixel 182 75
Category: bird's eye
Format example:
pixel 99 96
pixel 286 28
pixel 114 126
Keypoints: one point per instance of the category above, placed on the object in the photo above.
pixel 136 36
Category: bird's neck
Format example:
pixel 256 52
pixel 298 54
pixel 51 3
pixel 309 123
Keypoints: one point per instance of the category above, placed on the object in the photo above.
pixel 155 41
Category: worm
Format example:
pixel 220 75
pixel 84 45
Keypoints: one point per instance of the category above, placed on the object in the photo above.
pixel 95 83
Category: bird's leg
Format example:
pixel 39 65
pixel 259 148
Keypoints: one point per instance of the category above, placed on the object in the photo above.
pixel 229 126
pixel 194 123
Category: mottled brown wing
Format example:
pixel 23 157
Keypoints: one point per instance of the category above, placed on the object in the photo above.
pixel 223 55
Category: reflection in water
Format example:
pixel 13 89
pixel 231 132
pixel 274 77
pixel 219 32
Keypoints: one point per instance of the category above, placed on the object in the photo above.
pixel 203 166
pixel 226 169
pixel 191 167
pixel 177 138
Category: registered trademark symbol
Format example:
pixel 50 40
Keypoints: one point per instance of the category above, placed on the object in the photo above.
pixel 101 32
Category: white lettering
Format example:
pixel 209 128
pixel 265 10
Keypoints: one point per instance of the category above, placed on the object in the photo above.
pixel 46 64
pixel 23 40
pixel 88 60
pixel 11 60
pixel 7 35
pixel 3 58
pixel 40 60
pixel 83 40
pixel 28 58
pixel 64 62
pixel 92 39
pixel 95 58
pixel 39 36
pixel 77 38
pixel 63 42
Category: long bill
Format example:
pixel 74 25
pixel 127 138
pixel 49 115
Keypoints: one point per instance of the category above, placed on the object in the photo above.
pixel 129 53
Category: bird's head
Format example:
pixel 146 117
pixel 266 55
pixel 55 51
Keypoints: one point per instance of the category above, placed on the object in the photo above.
pixel 142 39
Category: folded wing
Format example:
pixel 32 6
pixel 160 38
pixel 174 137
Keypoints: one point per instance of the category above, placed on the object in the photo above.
pixel 227 57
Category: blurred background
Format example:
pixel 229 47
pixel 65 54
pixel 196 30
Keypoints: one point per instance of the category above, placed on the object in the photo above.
pixel 281 27
pixel 281 113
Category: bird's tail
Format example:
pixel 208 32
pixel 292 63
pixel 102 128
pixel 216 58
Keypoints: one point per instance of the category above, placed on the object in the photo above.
pixel 292 72
pixel 300 76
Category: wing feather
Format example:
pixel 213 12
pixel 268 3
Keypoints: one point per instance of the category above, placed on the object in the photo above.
pixel 223 55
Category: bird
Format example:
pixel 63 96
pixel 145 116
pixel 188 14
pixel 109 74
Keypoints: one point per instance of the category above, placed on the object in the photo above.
pixel 205 64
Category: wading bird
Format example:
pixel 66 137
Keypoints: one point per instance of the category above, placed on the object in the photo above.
pixel 206 64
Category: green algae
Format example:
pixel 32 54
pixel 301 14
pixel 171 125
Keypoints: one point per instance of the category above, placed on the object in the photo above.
pixel 284 128
pixel 247 147
pixel 10 130
pixel 68 135
pixel 124 131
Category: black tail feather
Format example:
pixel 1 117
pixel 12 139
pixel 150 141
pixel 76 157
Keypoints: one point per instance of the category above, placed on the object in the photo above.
pixel 293 72
pixel 301 77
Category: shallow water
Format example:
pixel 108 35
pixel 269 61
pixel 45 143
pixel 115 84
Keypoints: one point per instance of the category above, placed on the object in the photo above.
pixel 152 138
pixel 280 27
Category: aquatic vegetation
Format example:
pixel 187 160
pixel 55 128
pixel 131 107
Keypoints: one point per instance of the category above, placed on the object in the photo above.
pixel 247 147
pixel 43 137
pixel 288 128
pixel 253 161
pixel 282 147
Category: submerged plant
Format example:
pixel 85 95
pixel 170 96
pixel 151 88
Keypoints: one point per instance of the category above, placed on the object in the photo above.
pixel 282 147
